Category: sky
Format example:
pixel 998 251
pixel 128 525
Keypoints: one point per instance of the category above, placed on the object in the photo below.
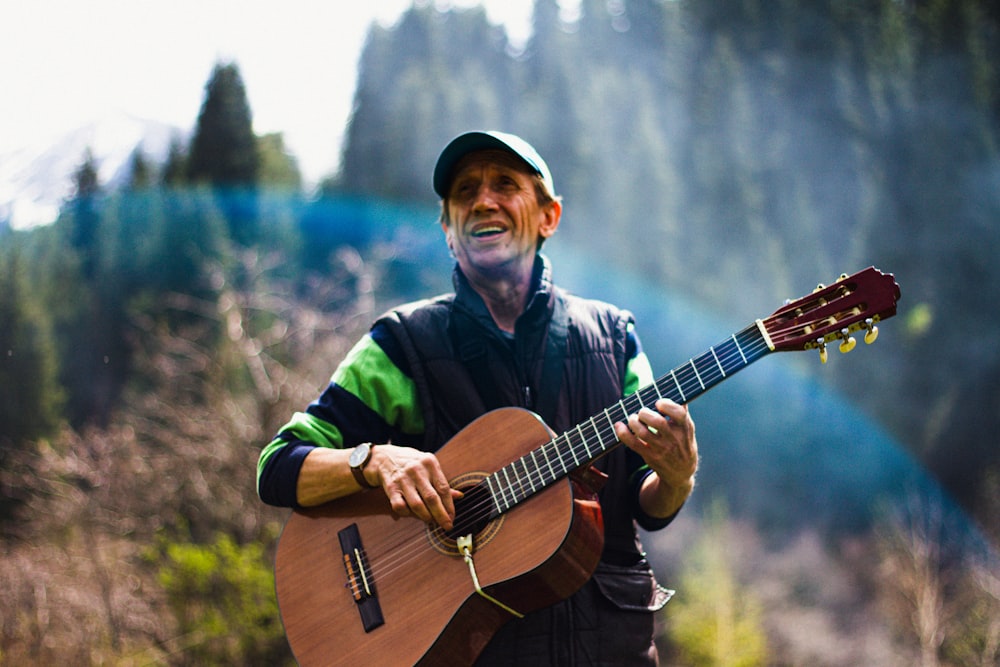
pixel 66 63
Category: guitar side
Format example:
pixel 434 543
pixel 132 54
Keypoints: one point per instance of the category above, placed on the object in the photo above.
pixel 537 553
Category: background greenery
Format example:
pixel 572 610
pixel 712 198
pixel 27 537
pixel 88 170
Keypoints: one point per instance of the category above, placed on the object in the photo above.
pixel 714 159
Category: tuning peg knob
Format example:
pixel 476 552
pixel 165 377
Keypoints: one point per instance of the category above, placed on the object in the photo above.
pixel 823 355
pixel 847 344
pixel 872 331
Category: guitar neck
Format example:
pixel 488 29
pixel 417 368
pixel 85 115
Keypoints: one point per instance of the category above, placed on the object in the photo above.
pixel 593 438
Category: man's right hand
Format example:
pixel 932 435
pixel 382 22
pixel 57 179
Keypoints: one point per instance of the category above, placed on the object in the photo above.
pixel 411 479
pixel 414 483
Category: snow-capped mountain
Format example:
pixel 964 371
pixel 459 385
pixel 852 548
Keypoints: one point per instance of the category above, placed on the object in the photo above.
pixel 36 180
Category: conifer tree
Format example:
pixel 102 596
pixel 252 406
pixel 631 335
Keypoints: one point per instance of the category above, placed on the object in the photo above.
pixel 174 171
pixel 224 149
pixel 224 152
pixel 139 170
pixel 30 397
pixel 84 215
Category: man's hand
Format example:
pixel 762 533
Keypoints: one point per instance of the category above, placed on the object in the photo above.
pixel 414 483
pixel 665 439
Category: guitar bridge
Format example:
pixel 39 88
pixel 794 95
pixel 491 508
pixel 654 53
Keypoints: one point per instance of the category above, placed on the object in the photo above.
pixel 359 577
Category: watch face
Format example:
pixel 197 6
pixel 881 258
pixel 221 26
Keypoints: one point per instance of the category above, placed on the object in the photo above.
pixel 358 455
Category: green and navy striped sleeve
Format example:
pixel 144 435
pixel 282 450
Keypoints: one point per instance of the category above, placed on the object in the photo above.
pixel 370 398
pixel 639 374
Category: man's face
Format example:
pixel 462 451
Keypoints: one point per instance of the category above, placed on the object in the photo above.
pixel 494 221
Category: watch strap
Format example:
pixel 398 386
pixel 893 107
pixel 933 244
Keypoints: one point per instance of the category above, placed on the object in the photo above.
pixel 359 471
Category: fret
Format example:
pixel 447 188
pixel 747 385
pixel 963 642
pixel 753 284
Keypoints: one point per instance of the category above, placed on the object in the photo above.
pixel 538 468
pixel 679 390
pixel 524 464
pixel 740 350
pixel 510 487
pixel 516 485
pixel 565 465
pixel 600 440
pixel 656 386
pixel 500 497
pixel 576 460
pixel 611 422
pixel 695 369
pixel 548 461
pixel 583 439
pixel 716 357
pixel 493 494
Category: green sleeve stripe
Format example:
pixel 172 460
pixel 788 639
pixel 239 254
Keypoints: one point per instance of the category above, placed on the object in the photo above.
pixel 305 427
pixel 638 374
pixel 371 376
pixel 314 430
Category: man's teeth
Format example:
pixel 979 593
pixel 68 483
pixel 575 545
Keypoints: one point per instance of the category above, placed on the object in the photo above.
pixel 484 231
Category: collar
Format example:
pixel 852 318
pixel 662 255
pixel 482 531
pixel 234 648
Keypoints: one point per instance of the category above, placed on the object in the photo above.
pixel 539 303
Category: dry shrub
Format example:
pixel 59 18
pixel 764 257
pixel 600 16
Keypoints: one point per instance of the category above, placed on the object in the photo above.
pixel 82 568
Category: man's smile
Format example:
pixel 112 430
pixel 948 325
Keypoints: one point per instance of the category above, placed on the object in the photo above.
pixel 486 230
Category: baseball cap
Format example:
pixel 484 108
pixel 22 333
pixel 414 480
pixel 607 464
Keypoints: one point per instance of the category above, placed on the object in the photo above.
pixel 466 143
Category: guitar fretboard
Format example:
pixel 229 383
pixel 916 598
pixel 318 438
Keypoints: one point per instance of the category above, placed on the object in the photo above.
pixel 591 439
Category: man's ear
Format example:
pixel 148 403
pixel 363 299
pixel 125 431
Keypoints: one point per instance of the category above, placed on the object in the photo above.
pixel 552 213
pixel 448 236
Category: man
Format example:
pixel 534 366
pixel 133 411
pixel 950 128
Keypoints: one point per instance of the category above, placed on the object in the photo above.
pixel 507 336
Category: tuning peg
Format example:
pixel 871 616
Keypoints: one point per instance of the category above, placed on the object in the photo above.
pixel 819 288
pixel 872 331
pixel 847 341
pixel 823 356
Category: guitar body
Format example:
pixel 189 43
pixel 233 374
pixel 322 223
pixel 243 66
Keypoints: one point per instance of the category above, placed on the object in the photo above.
pixel 537 553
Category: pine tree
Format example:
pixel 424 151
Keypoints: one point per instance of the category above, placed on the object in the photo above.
pixel 224 152
pixel 30 397
pixel 278 169
pixel 175 169
pixel 224 148
pixel 140 172
pixel 83 212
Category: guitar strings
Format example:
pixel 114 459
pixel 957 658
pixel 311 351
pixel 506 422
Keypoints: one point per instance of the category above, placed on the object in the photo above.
pixel 537 478
pixel 686 376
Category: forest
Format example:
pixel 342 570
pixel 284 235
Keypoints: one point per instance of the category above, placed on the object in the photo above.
pixel 714 159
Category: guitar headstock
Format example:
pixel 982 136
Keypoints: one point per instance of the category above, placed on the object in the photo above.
pixel 833 313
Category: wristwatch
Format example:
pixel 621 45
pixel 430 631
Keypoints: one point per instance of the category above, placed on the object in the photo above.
pixel 360 456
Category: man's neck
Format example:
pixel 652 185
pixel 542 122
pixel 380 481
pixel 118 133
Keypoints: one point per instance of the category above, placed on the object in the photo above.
pixel 505 297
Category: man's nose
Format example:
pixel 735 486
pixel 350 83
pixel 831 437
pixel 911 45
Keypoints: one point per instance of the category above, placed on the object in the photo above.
pixel 485 198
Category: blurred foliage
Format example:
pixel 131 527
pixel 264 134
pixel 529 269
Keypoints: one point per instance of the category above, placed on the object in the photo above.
pixel 221 595
pixel 716 621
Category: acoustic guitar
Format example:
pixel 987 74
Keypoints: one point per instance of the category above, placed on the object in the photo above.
pixel 358 585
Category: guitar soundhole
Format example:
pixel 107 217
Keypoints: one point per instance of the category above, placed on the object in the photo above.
pixel 473 514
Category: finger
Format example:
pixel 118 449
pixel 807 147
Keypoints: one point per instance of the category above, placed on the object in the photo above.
pixel 624 434
pixel 415 503
pixel 654 422
pixel 398 502
pixel 437 505
pixel 674 411
pixel 446 494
